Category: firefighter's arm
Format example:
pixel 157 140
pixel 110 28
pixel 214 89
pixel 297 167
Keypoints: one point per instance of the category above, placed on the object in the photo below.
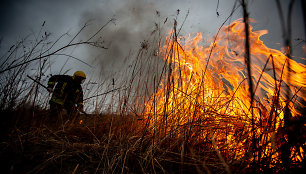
pixel 52 81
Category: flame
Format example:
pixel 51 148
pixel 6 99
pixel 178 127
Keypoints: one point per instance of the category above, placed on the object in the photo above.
pixel 206 88
pixel 81 121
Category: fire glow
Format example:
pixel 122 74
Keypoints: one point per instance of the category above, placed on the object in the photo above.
pixel 206 89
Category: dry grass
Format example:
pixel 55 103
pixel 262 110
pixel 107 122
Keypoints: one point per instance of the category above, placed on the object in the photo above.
pixel 125 138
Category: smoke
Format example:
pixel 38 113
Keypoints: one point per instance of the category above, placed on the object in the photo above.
pixel 134 22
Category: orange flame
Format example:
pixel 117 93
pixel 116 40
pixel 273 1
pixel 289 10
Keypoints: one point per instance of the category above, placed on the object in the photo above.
pixel 206 86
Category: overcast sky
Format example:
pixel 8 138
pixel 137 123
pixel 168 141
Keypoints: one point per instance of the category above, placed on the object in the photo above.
pixel 135 20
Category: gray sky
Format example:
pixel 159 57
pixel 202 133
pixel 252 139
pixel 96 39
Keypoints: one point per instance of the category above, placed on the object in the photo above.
pixel 135 20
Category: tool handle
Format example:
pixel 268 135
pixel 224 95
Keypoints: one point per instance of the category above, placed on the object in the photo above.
pixel 38 82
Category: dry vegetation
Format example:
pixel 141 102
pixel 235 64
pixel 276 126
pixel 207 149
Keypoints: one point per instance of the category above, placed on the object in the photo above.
pixel 134 134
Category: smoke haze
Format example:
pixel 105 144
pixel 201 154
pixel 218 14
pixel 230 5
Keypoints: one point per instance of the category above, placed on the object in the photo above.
pixel 135 21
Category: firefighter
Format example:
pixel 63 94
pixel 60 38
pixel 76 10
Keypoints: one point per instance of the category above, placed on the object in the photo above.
pixel 67 94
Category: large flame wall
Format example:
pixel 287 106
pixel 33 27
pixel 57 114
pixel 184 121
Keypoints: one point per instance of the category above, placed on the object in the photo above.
pixel 205 85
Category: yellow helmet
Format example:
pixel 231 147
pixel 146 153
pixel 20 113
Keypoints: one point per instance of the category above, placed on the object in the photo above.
pixel 79 74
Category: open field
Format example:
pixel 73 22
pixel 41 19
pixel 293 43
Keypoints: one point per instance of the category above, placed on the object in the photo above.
pixel 180 106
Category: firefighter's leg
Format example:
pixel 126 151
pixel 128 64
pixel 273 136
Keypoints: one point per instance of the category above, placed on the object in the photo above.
pixel 72 113
pixel 55 114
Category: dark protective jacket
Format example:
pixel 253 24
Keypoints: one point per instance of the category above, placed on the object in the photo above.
pixel 67 91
